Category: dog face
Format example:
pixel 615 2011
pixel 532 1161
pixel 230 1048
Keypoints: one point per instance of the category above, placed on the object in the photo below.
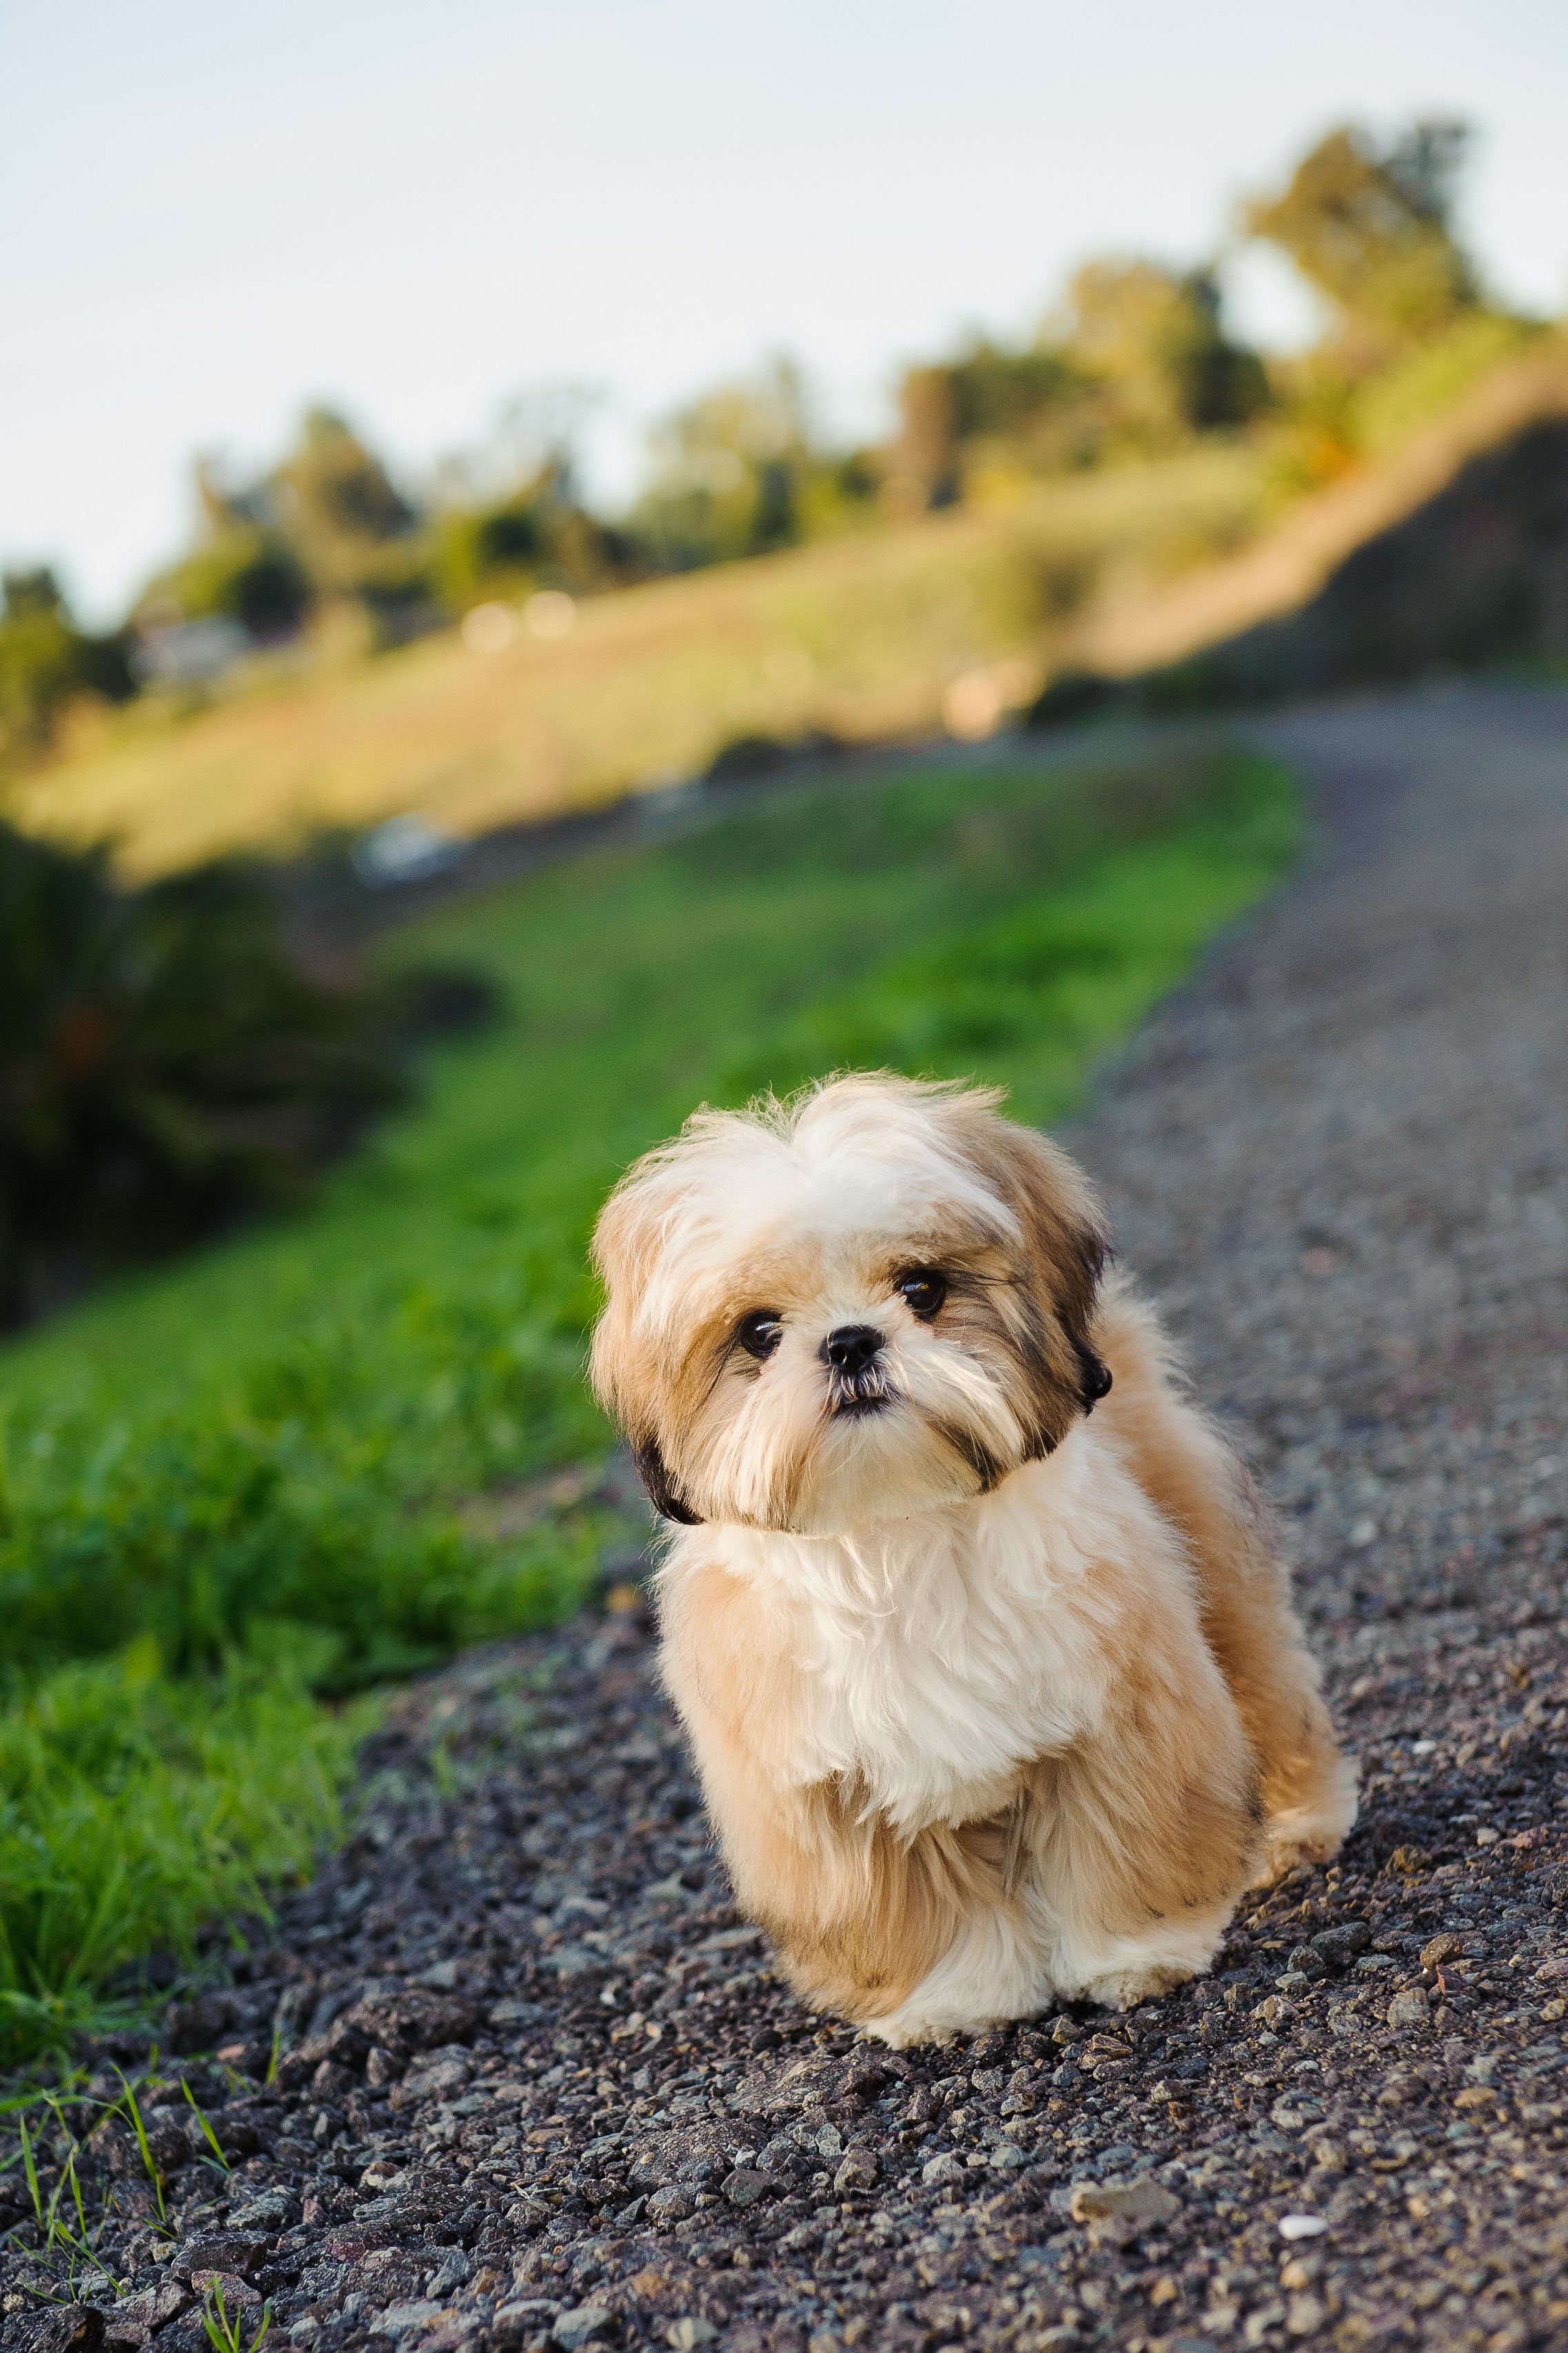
pixel 867 1302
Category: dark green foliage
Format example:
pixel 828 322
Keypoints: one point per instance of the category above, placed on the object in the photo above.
pixel 539 535
pixel 243 574
pixel 1137 362
pixel 45 662
pixel 328 522
pixel 743 472
pixel 996 391
pixel 1218 383
pixel 336 501
pixel 166 1064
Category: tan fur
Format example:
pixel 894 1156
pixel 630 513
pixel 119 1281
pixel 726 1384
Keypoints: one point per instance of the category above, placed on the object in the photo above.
pixel 1305 1787
pixel 859 1913
pixel 992 1704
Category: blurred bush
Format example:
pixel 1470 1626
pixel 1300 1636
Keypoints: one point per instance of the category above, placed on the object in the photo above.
pixel 243 572
pixel 168 1061
pixel 48 662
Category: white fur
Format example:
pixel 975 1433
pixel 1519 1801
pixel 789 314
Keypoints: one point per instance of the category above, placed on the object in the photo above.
pixel 996 1967
pixel 939 1651
pixel 944 1648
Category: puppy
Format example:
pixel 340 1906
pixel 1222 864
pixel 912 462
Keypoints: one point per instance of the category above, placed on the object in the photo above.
pixel 994 1704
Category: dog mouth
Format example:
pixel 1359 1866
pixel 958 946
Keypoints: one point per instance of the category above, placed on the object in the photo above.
pixel 857 1400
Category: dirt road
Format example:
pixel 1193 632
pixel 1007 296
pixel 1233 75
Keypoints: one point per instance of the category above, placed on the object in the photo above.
pixel 549 2092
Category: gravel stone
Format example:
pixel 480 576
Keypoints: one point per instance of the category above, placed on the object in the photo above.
pixel 1340 1158
pixel 1123 2201
pixel 578 2327
pixel 400 2320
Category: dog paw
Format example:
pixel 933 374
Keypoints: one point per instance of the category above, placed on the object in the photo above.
pixel 903 2029
pixel 1281 1856
pixel 1125 1988
pixel 1306 1836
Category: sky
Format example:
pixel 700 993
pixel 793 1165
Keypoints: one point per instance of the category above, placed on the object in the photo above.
pixel 412 211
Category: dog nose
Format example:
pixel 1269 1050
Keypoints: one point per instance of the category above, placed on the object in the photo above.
pixel 853 1346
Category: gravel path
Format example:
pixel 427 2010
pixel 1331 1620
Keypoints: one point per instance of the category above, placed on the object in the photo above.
pixel 539 2085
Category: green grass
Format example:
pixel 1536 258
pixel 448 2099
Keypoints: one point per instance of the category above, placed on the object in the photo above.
pixel 134 1804
pixel 234 1492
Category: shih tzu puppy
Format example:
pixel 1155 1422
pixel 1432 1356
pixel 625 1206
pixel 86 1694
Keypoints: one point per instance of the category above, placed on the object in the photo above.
pixel 994 1704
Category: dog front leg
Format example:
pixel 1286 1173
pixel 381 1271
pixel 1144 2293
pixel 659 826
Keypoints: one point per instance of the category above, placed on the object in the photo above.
pixel 1143 1840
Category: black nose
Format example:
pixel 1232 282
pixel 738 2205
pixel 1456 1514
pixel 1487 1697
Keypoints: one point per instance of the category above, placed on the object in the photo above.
pixel 852 1347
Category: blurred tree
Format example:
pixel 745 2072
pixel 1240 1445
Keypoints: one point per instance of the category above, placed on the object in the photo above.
pixel 1150 342
pixel 538 536
pixel 1373 228
pixel 741 472
pixel 335 496
pixel 924 460
pixel 1004 392
pixel 482 552
pixel 1137 360
pixel 46 663
pixel 328 522
pixel 244 573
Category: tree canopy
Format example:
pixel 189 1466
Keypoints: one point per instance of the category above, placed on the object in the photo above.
pixel 1372 227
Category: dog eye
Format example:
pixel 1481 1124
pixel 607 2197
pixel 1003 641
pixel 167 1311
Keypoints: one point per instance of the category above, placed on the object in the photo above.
pixel 923 1290
pixel 761 1333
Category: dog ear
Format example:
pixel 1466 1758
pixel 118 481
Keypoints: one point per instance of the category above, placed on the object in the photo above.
pixel 662 1492
pixel 1066 1246
pixel 1097 1382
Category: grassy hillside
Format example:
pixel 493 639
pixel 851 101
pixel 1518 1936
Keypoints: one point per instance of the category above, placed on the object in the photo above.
pixel 862 636
pixel 233 1494
pixel 1423 425
pixel 1113 572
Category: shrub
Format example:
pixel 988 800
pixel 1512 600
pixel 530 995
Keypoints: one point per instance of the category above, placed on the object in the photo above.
pixel 46 663
pixel 245 574
pixel 166 1064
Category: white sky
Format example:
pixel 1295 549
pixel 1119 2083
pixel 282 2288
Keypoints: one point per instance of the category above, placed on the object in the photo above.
pixel 214 213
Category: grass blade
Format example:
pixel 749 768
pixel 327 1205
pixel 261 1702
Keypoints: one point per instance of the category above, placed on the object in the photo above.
pixel 200 2115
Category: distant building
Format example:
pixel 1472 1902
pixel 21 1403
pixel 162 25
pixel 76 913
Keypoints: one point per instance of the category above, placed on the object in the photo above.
pixel 190 653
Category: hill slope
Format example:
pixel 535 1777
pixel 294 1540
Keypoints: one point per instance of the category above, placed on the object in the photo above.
pixel 1116 574
pixel 860 635
pixel 1463 499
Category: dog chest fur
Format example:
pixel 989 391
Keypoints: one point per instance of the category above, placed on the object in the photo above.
pixel 929 1658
